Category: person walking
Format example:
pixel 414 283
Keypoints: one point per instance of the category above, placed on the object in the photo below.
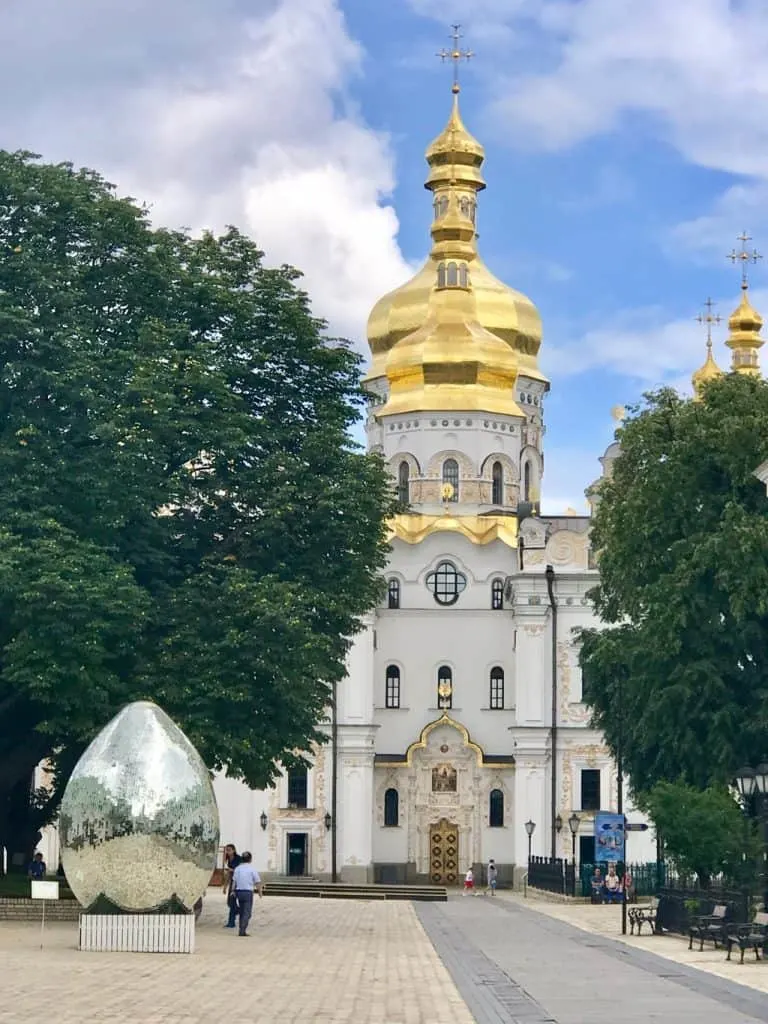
pixel 469 882
pixel 244 881
pixel 231 860
pixel 492 877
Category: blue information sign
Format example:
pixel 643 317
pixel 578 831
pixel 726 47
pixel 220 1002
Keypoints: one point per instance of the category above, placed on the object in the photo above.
pixel 609 837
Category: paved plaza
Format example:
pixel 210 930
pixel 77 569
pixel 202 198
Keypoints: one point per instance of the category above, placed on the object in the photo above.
pixel 306 961
pixel 477 959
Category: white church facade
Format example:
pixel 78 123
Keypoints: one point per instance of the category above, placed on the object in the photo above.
pixel 461 717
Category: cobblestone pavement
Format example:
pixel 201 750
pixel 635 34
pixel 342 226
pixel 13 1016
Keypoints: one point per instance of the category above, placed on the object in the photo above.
pixel 307 960
pixel 514 964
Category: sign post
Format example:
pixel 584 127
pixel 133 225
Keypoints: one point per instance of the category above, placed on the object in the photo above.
pixel 44 891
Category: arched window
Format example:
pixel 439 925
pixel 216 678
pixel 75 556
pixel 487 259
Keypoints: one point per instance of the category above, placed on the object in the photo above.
pixel 497 595
pixel 444 687
pixel 497 688
pixel 298 786
pixel 441 275
pixel 441 207
pixel 393 593
pixel 391 808
pixel 403 483
pixel 497 487
pixel 463 276
pixel 527 482
pixel 451 476
pixel 453 275
pixel 464 206
pixel 392 694
pixel 496 809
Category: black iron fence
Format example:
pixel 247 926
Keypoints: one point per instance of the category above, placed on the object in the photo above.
pixel 552 875
pixel 679 905
pixel 646 878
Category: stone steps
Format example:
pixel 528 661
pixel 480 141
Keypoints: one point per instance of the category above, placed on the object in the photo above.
pixel 346 891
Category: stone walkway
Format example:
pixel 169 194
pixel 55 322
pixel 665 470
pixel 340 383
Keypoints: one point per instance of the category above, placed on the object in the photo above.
pixel 307 961
pixel 514 963
pixel 606 921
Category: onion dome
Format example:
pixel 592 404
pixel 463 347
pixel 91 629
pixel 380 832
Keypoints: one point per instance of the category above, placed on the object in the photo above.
pixel 709 371
pixel 744 338
pixel 459 329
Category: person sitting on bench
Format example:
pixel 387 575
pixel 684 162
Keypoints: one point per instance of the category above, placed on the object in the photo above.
pixel 612 887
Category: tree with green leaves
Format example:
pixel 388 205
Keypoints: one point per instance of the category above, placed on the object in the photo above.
pixel 678 679
pixel 705 832
pixel 183 516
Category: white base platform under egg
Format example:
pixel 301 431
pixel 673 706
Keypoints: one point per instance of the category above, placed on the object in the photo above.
pixel 137 933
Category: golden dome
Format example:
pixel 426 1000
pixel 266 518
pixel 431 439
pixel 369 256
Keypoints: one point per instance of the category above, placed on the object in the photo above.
pixel 451 362
pixel 709 371
pixel 744 338
pixel 441 323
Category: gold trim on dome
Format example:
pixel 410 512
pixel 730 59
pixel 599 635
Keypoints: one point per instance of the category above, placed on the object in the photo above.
pixel 421 744
pixel 413 529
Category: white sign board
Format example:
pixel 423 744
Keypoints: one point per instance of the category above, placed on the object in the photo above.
pixel 45 890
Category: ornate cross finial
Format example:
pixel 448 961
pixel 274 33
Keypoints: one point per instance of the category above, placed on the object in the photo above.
pixel 744 257
pixel 708 319
pixel 456 55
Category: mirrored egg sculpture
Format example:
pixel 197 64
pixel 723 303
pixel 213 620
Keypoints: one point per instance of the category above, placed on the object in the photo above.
pixel 138 821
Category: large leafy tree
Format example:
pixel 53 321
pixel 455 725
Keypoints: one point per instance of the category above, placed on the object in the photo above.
pixel 679 678
pixel 705 832
pixel 182 515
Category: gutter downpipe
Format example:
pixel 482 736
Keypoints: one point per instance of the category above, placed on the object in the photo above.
pixel 549 574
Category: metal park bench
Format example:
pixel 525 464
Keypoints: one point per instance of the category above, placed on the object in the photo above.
pixel 644 913
pixel 748 936
pixel 710 927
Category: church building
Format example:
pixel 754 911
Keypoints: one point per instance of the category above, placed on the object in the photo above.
pixel 460 731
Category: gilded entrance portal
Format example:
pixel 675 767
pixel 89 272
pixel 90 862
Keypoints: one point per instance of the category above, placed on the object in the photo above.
pixel 444 853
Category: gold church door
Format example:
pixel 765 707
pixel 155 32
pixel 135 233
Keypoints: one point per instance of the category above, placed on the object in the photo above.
pixel 444 853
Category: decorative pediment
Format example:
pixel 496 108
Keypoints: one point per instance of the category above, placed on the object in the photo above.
pixel 423 744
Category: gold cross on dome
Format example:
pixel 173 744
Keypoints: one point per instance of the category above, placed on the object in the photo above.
pixel 744 257
pixel 456 55
pixel 708 319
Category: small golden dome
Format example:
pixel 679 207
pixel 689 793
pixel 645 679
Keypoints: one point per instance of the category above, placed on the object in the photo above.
pixel 709 371
pixel 455 156
pixel 744 338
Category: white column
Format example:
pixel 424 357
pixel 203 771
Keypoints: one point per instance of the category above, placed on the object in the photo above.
pixel 355 804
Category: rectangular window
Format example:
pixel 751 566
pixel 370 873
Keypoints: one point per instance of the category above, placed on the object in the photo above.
pixel 590 789
pixel 297 787
pixel 392 695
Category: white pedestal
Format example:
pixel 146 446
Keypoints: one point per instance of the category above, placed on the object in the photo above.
pixel 137 933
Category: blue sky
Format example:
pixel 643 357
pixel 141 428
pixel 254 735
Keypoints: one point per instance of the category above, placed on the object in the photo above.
pixel 627 146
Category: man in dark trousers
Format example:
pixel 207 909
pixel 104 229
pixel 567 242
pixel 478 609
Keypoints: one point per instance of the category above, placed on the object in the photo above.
pixel 231 861
pixel 244 881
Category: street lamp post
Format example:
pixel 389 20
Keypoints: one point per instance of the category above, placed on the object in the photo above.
pixel 752 784
pixel 573 824
pixel 530 828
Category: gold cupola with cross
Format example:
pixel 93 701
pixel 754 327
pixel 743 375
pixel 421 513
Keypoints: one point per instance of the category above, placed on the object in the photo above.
pixel 454 337
pixel 745 323
pixel 709 370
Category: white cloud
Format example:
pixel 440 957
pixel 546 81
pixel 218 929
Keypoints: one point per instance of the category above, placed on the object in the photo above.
pixel 698 68
pixel 647 346
pixel 215 113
